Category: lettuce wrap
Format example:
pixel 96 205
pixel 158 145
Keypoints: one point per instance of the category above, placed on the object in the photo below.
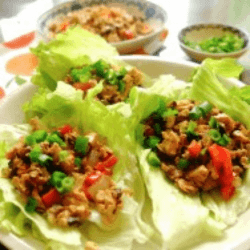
pixel 65 106
pixel 176 215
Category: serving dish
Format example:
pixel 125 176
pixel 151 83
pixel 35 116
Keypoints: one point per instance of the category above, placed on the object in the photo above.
pixel 204 31
pixel 154 15
pixel 237 237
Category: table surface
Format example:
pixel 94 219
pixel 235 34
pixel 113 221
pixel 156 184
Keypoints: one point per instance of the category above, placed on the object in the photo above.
pixel 18 17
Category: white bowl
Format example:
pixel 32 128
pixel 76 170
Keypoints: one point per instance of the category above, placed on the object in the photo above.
pixel 237 237
pixel 154 15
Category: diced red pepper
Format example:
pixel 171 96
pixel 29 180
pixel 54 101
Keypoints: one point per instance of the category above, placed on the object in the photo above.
pixel 222 162
pixel 64 26
pixel 83 86
pixel 88 195
pixel 227 192
pixel 111 161
pixel 91 179
pixel 128 34
pixel 194 149
pixel 105 165
pixel 51 198
pixel 65 129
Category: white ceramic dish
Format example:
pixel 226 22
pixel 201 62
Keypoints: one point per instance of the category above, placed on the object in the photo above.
pixel 154 15
pixel 236 237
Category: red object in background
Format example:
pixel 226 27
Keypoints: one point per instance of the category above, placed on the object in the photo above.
pixel 2 93
pixel 64 26
pixel 128 34
pixel 21 41
pixel 22 65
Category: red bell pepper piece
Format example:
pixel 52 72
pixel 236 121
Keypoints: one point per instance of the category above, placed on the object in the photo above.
pixel 91 179
pixel 64 26
pixel 227 192
pixel 65 129
pixel 128 34
pixel 106 165
pixel 194 149
pixel 222 162
pixel 83 86
pixel 51 198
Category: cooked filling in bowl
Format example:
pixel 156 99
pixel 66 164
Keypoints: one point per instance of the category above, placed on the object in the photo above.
pixel 198 147
pixel 112 23
pixel 117 81
pixel 65 175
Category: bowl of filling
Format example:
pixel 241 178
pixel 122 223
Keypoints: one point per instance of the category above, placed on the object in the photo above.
pixel 127 25
pixel 216 41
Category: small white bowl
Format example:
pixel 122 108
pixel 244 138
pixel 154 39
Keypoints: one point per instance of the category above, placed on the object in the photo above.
pixel 203 31
pixel 154 15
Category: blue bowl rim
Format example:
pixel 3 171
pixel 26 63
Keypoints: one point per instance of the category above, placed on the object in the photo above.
pixel 59 6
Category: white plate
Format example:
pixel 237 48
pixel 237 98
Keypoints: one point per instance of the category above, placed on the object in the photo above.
pixel 236 237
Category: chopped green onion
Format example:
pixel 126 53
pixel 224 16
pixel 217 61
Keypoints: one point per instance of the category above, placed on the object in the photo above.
pixel 30 140
pixel 153 159
pixel 40 135
pixel 121 73
pixel 183 163
pixel 157 128
pixel 56 178
pixel 35 153
pixel 31 205
pixel 213 123
pixel 224 140
pixel 214 134
pixel 191 134
pixel 203 151
pixel 195 113
pixel 121 86
pixel 81 144
pixel 63 155
pixel 161 107
pixel 78 161
pixel 205 108
pixel 81 75
pixel 54 138
pixel 66 185
pixel 110 75
pixel 44 160
pixel 101 67
pixel 170 112
pixel 152 141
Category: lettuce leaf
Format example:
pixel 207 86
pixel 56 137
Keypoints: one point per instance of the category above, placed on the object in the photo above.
pixel 73 48
pixel 178 215
pixel 226 67
pixel 65 106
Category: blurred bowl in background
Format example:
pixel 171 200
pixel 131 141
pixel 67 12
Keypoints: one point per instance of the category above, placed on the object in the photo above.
pixel 154 15
pixel 201 32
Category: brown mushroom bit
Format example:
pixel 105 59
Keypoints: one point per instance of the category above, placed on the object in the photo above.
pixel 65 175
pixel 117 81
pixel 199 147
pixel 112 23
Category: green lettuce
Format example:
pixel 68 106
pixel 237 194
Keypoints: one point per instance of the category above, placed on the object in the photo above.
pixel 70 49
pixel 177 215
pixel 65 106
